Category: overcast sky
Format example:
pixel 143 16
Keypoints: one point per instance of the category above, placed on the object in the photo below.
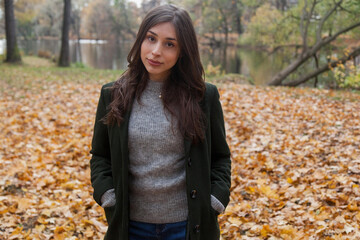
pixel 138 2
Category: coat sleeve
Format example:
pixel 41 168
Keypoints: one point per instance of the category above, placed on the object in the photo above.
pixel 100 163
pixel 220 153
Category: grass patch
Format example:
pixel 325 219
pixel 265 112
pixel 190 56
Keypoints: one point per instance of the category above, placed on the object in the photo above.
pixel 229 78
pixel 35 72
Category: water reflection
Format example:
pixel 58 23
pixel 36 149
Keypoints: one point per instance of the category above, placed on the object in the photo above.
pixel 104 56
pixel 258 65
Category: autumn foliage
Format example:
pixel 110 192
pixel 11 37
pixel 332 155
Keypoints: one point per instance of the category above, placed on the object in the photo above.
pixel 295 169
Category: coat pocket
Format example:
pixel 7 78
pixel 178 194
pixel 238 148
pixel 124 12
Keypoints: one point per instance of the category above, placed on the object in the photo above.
pixel 109 212
pixel 214 217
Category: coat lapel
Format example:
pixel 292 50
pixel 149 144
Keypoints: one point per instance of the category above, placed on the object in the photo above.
pixel 124 133
pixel 187 146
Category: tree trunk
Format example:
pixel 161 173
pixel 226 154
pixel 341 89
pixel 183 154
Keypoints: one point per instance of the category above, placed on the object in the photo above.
pixel 64 60
pixel 79 48
pixel 277 80
pixel 238 13
pixel 12 50
pixel 75 22
pixel 281 5
pixel 317 67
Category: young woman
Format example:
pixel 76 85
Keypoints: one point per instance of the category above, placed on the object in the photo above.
pixel 160 163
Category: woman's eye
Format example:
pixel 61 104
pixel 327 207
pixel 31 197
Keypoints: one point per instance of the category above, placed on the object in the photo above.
pixel 151 39
pixel 169 44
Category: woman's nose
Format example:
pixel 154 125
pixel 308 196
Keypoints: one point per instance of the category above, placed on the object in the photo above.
pixel 156 50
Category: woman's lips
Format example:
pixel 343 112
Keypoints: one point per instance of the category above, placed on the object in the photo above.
pixel 153 62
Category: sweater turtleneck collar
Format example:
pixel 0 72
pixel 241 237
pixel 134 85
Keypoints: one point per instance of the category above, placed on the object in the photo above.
pixel 154 86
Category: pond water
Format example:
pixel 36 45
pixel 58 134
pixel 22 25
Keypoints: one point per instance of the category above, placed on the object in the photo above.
pixel 260 66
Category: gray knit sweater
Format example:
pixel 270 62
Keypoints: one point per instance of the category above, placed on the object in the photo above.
pixel 157 190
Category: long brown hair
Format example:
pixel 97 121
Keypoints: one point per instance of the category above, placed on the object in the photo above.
pixel 184 88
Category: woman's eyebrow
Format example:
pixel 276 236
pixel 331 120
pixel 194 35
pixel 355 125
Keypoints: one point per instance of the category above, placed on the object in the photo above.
pixel 168 38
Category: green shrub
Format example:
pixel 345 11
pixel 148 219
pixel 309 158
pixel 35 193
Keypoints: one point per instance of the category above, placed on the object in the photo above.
pixel 348 75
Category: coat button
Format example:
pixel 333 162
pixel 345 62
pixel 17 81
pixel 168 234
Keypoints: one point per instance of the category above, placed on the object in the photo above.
pixel 189 161
pixel 197 228
pixel 193 194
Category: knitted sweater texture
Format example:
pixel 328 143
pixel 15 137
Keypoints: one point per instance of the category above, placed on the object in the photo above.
pixel 157 190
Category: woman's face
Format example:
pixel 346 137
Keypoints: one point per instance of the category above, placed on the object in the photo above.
pixel 160 51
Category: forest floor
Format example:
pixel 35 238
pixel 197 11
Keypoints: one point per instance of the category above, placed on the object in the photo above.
pixel 295 157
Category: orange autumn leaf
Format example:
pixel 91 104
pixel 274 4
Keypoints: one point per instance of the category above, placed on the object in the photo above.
pixel 60 233
pixel 265 230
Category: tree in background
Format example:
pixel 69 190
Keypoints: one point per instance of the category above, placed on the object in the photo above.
pixel 321 23
pixel 26 12
pixel 75 23
pixel 216 19
pixel 264 28
pixel 49 18
pixel 146 5
pixel 64 60
pixel 312 29
pixel 117 19
pixel 97 21
pixel 12 50
pixel 123 20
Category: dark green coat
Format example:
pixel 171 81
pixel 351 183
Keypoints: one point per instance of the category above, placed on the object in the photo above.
pixel 207 169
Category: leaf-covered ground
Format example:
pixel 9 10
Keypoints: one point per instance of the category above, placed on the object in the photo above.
pixel 295 152
pixel 296 163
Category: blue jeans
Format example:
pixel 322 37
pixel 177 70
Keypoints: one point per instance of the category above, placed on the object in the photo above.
pixel 149 231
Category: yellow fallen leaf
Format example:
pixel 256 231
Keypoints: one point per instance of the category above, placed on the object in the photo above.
pixel 68 186
pixel 46 212
pixel 17 231
pixel 13 207
pixel 250 189
pixel 59 233
pixel 353 206
pixel 89 233
pixel 288 232
pixel 24 204
pixel 265 230
pixel 234 220
pixel 269 165
pixel 40 228
pixel 268 192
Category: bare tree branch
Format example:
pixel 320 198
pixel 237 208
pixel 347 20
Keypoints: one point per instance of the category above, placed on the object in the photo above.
pixel 278 78
pixel 348 11
pixel 324 68
pixel 333 37
pixel 321 24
